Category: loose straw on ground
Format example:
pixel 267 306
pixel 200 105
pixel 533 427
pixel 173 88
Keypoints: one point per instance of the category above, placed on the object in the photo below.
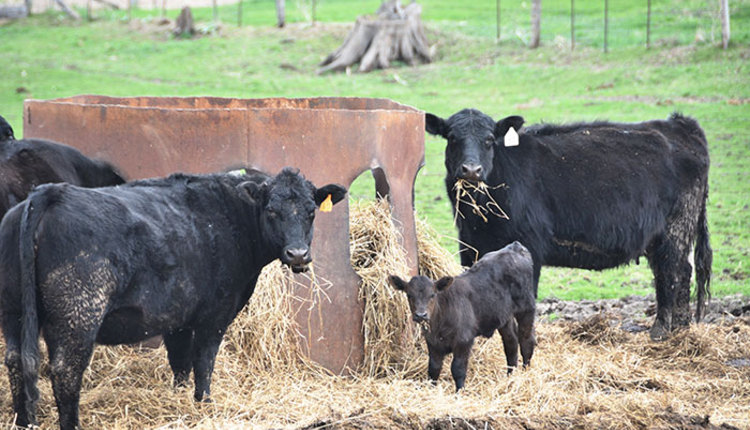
pixel 586 375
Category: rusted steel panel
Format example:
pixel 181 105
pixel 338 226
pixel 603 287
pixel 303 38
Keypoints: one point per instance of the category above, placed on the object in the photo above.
pixel 328 139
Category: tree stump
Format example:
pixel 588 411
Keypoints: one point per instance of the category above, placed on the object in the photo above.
pixel 396 33
pixel 184 24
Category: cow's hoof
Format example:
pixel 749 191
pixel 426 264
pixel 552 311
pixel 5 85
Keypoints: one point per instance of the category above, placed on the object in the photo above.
pixel 659 332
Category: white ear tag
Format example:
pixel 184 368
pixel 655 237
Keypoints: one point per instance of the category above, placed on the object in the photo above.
pixel 511 137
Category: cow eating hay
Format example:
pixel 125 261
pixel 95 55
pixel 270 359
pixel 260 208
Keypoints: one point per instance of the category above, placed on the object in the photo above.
pixel 589 195
pixel 177 257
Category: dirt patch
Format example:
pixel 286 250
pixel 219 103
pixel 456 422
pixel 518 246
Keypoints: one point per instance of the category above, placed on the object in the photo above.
pixel 635 313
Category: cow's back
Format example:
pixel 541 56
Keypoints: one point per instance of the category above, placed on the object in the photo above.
pixel 498 286
pixel 151 253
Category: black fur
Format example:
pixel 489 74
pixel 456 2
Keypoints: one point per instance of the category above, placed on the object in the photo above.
pixel 6 131
pixel 590 196
pixel 27 163
pixel 496 293
pixel 177 257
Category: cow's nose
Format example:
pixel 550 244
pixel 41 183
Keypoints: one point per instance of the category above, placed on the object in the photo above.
pixel 298 255
pixel 471 171
pixel 420 316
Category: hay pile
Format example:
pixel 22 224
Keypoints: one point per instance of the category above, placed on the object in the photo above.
pixel 583 375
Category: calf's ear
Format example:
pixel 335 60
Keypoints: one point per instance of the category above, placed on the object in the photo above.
pixel 252 191
pixel 397 282
pixel 504 124
pixel 435 125
pixel 443 283
pixel 337 192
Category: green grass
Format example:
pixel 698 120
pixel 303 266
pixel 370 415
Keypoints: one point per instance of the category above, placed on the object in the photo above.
pixel 48 56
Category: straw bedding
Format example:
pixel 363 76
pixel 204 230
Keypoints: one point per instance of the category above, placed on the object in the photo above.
pixel 585 375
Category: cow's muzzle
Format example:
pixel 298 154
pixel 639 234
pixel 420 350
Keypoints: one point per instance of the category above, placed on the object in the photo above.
pixel 420 317
pixel 298 259
pixel 471 172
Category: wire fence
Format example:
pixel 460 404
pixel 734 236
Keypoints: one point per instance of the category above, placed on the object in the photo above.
pixel 605 24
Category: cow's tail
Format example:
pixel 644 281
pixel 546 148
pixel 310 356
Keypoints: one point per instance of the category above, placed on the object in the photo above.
pixel 29 321
pixel 702 259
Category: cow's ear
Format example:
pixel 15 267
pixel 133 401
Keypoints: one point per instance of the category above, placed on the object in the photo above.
pixel 337 192
pixel 502 126
pixel 443 283
pixel 397 283
pixel 252 191
pixel 435 125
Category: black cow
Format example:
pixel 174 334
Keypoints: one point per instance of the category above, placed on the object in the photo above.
pixel 27 163
pixel 177 257
pixel 496 293
pixel 590 195
pixel 6 131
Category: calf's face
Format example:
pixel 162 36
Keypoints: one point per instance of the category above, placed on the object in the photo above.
pixel 421 292
pixel 473 138
pixel 288 203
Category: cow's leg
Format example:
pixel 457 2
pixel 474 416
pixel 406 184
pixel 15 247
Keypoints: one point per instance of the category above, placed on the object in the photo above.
pixel 24 408
pixel 661 256
pixel 681 233
pixel 206 345
pixel 179 344
pixel 468 255
pixel 537 275
pixel 526 337
pixel 460 363
pixel 509 333
pixel 69 355
pixel 681 310
pixel 435 365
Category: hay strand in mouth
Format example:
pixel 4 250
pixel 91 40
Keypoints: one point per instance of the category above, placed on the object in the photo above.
pixel 465 193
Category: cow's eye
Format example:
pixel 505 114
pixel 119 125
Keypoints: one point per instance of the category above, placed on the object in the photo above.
pixel 489 141
pixel 272 213
pixel 311 215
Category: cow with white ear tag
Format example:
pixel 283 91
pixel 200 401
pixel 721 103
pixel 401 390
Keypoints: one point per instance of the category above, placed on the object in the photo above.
pixel 590 195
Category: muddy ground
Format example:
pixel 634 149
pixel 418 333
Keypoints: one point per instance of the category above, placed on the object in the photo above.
pixel 636 313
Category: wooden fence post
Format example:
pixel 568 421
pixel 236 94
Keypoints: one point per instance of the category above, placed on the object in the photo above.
pixel 724 23
pixel 648 26
pixel 606 24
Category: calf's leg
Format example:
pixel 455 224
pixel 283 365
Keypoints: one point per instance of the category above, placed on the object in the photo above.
pixel 179 344
pixel 435 365
pixel 460 363
pixel 510 343
pixel 526 337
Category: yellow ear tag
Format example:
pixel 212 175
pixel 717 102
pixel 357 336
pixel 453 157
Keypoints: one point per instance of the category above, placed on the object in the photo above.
pixel 327 204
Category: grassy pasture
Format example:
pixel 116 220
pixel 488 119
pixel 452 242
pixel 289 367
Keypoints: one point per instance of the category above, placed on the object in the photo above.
pixel 48 56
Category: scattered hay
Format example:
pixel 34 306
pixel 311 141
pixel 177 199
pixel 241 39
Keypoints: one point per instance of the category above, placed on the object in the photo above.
pixel 596 330
pixel 466 192
pixel 261 381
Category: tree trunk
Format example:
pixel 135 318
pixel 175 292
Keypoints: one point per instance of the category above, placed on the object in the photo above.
pixel 184 23
pixel 280 14
pixel 65 8
pixel 536 23
pixel 395 34
pixel 724 23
